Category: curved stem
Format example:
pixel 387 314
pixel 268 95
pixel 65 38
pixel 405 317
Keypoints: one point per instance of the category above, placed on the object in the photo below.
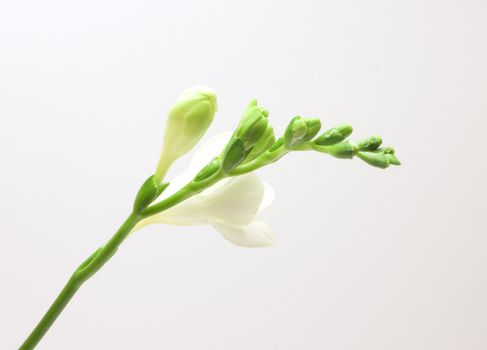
pixel 82 273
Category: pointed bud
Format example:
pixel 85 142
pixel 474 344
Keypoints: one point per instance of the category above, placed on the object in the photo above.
pixel 253 125
pixel 342 150
pixel 266 141
pixel 300 130
pixel 392 158
pixel 188 119
pixel 334 135
pixel 377 159
pixel 370 143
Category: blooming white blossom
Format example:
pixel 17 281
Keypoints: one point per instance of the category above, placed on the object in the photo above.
pixel 230 206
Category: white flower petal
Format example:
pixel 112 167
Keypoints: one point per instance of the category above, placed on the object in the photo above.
pixel 269 196
pixel 209 150
pixel 255 234
pixel 212 148
pixel 236 201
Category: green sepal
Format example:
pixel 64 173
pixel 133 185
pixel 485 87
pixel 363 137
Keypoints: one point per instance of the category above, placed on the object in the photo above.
pixel 233 155
pixel 148 192
pixel 370 143
pixel 209 170
pixel 342 150
pixel 334 135
pixel 377 158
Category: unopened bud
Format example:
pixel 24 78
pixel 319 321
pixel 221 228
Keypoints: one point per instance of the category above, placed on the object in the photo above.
pixel 377 159
pixel 188 119
pixel 342 150
pixel 266 141
pixel 253 125
pixel 300 130
pixel 334 135
pixel 370 143
pixel 392 159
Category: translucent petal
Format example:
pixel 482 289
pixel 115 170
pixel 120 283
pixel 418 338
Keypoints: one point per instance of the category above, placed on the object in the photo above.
pixel 203 156
pixel 256 234
pixel 269 196
pixel 237 201
pixel 208 151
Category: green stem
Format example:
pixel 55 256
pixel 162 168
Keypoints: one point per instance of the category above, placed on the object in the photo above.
pixel 94 262
pixel 82 274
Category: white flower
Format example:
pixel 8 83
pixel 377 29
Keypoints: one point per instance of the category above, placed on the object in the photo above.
pixel 230 206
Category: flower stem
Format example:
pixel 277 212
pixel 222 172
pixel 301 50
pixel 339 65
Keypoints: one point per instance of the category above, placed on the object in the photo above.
pixel 82 274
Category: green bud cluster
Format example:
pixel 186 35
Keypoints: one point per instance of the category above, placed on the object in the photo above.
pixel 253 145
pixel 252 137
pixel 378 157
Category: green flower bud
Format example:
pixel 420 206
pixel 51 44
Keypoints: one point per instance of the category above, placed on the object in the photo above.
pixel 300 130
pixel 377 159
pixel 392 159
pixel 342 150
pixel 334 135
pixel 187 121
pixel 253 125
pixel 370 143
pixel 266 141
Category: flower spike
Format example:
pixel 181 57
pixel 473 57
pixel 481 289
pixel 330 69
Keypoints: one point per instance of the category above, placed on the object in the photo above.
pixel 219 188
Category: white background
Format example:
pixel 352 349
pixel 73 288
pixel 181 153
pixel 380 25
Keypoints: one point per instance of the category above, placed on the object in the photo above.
pixel 364 258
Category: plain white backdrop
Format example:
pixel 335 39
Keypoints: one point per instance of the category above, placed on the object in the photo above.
pixel 364 258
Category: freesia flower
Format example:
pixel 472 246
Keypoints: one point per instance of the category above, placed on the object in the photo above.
pixel 230 206
pixel 219 188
